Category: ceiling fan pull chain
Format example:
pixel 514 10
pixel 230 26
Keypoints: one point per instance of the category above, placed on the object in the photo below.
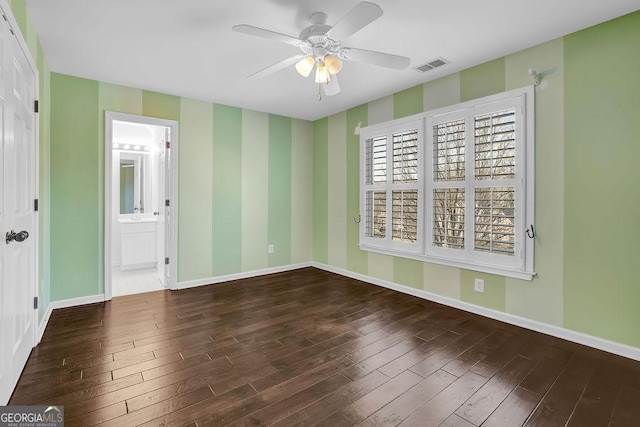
pixel 319 93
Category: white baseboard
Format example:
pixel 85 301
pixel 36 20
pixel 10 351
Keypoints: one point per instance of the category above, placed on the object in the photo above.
pixel 556 331
pixel 245 275
pixel 43 323
pixel 71 302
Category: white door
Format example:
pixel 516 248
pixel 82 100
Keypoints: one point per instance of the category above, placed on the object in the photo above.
pixel 160 209
pixel 167 236
pixel 17 215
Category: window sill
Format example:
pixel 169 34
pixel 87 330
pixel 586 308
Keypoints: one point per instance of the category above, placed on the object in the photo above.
pixel 492 269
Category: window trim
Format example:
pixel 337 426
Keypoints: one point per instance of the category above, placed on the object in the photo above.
pixel 525 167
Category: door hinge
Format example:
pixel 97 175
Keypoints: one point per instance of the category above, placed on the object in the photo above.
pixel 166 261
pixel 35 205
pixel 168 144
pixel 36 106
pixel 166 202
pixel 35 303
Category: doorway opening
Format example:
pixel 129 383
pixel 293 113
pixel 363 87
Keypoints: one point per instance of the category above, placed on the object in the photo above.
pixel 140 204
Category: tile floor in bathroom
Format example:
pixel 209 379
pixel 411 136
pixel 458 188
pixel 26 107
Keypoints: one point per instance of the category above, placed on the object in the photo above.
pixel 134 281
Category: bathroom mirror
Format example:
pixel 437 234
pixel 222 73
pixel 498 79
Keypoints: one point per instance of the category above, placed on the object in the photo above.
pixel 132 188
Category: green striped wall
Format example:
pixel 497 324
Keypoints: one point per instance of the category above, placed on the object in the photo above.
pixel 586 145
pixel 75 194
pixel 321 169
pixel 279 228
pixel 239 186
pixel 602 195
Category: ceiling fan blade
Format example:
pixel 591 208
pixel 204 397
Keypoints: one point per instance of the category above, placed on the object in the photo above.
pixel 333 87
pixel 359 17
pixel 267 34
pixel 275 67
pixel 376 58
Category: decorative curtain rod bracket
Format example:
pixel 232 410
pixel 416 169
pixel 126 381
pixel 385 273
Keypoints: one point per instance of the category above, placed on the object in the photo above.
pixel 530 234
pixel 536 76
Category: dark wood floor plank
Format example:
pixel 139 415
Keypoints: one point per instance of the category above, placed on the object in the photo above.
pixel 273 394
pixel 442 357
pixel 376 361
pixel 164 407
pixel 48 392
pixel 96 417
pixel 596 403
pixel 117 364
pixel 491 364
pixel 456 421
pixel 420 353
pixel 488 398
pixel 438 409
pixel 514 410
pixel 308 346
pixel 558 404
pixel 313 350
pixel 76 398
pixel 294 403
pixel 475 354
pixel 211 405
pixel 336 401
pixel 545 373
pixel 626 411
pixel 323 361
pixel 212 368
pixel 159 367
pixel 373 401
pixel 412 400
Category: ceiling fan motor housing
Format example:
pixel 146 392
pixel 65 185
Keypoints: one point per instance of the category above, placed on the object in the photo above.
pixel 316 43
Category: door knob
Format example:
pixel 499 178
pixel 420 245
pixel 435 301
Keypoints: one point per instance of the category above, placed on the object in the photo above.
pixel 21 236
pixel 18 237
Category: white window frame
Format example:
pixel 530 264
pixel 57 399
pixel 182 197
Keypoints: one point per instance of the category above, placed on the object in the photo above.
pixel 521 264
pixel 388 130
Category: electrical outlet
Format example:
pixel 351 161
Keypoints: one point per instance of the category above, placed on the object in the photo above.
pixel 479 285
pixel 270 249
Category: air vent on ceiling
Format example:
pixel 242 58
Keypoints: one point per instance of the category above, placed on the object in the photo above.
pixel 438 62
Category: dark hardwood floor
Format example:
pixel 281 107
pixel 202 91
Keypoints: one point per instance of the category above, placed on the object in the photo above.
pixel 309 347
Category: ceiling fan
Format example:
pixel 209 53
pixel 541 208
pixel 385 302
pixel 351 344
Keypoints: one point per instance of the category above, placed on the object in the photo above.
pixel 322 47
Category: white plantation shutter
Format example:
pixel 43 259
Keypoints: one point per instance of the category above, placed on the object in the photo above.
pixel 405 216
pixel 376 214
pixel 405 157
pixel 494 224
pixel 468 203
pixel 447 183
pixel 392 187
pixel 498 191
pixel 377 160
pixel 448 218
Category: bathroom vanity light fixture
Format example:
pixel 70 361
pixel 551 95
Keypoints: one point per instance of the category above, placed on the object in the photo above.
pixel 129 147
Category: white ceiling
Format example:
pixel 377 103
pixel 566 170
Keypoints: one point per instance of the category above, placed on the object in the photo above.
pixel 187 47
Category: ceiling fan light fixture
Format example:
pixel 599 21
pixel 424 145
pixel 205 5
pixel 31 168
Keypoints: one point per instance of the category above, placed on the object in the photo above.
pixel 322 74
pixel 333 63
pixel 305 65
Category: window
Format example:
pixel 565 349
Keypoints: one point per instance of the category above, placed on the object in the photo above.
pixel 392 187
pixel 455 185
